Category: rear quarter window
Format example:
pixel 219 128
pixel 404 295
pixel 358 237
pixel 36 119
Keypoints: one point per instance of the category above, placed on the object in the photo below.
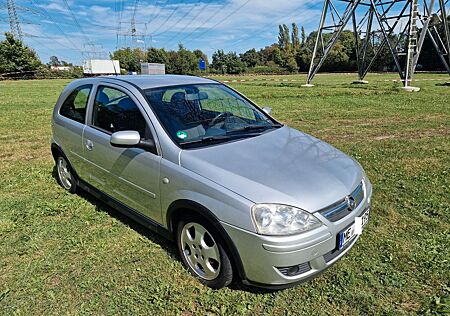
pixel 74 107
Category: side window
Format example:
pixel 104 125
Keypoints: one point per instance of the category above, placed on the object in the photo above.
pixel 74 107
pixel 115 111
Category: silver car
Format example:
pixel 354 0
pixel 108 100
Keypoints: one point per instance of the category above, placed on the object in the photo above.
pixel 242 195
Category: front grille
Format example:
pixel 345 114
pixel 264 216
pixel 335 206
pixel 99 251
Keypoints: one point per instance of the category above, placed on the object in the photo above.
pixel 340 209
pixel 295 270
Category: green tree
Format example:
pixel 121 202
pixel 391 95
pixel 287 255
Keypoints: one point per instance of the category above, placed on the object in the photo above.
pixel 157 55
pixel 54 62
pixel 250 58
pixel 337 59
pixel 266 54
pixel 234 65
pixel 15 56
pixel 219 61
pixel 284 40
pixel 303 35
pixel 130 58
pixel 303 58
pixel 295 37
pixel 289 62
pixel 185 61
pixel 277 57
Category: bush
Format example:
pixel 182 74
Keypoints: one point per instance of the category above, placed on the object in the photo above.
pixel 44 72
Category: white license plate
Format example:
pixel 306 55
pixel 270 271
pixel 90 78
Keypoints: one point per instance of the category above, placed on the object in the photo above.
pixel 347 234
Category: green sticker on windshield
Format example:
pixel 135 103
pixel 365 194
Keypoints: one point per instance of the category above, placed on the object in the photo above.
pixel 182 134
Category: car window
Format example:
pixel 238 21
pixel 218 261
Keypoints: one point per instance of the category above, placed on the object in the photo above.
pixel 74 107
pixel 191 113
pixel 115 111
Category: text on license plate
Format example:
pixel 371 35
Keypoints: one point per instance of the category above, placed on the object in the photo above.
pixel 347 234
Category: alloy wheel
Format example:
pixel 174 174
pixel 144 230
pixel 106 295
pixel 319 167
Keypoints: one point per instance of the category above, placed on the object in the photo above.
pixel 64 174
pixel 200 251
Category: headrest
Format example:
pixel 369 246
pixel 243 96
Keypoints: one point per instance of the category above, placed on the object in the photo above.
pixel 126 104
pixel 102 98
pixel 178 97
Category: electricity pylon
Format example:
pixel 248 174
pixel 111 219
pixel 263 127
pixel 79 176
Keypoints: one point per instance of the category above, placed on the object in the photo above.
pixel 14 22
pixel 378 24
pixel 131 37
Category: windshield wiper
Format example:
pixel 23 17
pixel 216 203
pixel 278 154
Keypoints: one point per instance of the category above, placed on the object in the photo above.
pixel 255 127
pixel 207 139
pixel 217 138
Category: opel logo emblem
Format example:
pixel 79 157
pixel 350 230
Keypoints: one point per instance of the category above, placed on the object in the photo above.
pixel 351 203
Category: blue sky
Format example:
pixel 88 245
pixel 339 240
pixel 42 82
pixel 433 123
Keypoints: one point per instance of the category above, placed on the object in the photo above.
pixel 233 25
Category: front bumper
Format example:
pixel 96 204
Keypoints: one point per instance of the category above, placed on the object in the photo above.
pixel 265 259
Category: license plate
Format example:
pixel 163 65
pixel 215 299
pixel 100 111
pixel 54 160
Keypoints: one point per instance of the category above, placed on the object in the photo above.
pixel 347 234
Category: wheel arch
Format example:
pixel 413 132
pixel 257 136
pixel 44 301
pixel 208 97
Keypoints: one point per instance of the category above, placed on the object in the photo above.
pixel 180 207
pixel 57 151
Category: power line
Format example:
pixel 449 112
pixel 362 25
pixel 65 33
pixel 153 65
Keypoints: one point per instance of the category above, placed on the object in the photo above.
pixel 206 21
pixel 266 26
pixel 212 17
pixel 225 18
pixel 154 16
pixel 180 19
pixel 41 45
pixel 188 23
pixel 74 18
pixel 168 18
pixel 46 13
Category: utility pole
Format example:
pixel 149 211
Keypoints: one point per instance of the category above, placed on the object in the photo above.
pixel 14 23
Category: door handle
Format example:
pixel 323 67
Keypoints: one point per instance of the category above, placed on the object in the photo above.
pixel 89 144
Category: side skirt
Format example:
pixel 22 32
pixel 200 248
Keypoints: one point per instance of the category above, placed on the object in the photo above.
pixel 127 211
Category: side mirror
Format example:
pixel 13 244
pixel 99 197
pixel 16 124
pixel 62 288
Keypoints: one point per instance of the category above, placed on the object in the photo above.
pixel 125 139
pixel 132 139
pixel 267 109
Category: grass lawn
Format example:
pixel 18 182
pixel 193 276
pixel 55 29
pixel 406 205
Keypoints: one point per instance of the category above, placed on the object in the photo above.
pixel 68 254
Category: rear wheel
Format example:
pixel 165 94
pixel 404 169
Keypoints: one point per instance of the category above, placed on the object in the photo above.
pixel 203 253
pixel 65 176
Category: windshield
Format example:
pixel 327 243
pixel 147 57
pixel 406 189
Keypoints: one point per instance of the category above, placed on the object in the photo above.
pixel 202 114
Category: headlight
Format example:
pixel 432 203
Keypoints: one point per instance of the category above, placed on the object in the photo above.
pixel 276 219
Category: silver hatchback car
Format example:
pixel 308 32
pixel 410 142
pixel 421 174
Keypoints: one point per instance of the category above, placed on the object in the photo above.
pixel 242 195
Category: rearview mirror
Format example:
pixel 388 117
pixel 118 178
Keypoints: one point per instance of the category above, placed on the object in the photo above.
pixel 267 110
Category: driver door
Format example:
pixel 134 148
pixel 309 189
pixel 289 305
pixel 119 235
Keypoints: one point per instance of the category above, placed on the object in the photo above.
pixel 129 175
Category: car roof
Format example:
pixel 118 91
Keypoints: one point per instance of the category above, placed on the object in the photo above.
pixel 157 81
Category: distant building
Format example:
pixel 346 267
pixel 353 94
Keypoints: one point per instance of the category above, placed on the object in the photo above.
pixel 61 68
pixel 153 69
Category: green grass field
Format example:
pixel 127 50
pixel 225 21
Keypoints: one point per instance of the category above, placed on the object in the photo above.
pixel 68 254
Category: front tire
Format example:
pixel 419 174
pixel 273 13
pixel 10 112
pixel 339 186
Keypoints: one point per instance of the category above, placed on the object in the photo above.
pixel 65 175
pixel 203 254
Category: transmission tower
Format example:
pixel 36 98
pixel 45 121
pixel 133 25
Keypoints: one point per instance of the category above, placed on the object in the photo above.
pixel 14 22
pixel 130 36
pixel 93 51
pixel 378 24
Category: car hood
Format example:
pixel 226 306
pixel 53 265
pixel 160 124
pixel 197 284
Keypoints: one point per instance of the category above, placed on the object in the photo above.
pixel 282 166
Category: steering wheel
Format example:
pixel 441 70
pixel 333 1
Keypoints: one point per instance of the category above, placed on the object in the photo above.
pixel 221 117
